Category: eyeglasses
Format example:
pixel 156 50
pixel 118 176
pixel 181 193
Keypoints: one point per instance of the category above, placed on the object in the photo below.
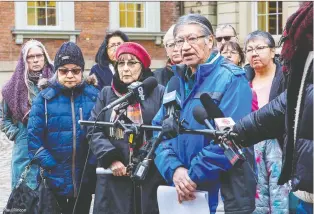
pixel 226 38
pixel 258 50
pixel 233 52
pixel 32 57
pixel 114 45
pixel 191 39
pixel 170 45
pixel 130 64
pixel 74 71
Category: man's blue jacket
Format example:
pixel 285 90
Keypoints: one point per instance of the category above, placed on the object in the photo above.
pixel 228 87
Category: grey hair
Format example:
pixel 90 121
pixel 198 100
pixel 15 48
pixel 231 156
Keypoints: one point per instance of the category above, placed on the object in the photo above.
pixel 169 35
pixel 26 47
pixel 260 34
pixel 220 27
pixel 198 19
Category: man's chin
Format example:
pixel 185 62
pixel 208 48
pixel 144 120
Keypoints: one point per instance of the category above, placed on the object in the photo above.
pixel 190 63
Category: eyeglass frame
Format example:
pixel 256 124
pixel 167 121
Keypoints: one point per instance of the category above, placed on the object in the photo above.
pixel 262 48
pixel 69 70
pixel 114 45
pixel 31 58
pixel 227 52
pixel 224 38
pixel 133 63
pixel 186 40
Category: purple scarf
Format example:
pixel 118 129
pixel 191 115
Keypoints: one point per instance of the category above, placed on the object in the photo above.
pixel 15 91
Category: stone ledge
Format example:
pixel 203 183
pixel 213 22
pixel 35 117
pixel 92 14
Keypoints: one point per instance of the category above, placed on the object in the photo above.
pixel 152 36
pixel 20 34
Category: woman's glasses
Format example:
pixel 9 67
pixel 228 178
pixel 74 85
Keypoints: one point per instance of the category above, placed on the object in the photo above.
pixel 258 49
pixel 114 45
pixel 74 71
pixel 130 64
pixel 31 58
pixel 233 52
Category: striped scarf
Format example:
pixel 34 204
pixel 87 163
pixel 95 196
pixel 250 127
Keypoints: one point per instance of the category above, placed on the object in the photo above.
pixel 133 112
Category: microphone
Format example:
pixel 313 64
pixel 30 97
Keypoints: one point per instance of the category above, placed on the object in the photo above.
pixel 210 106
pixel 200 115
pixel 224 124
pixel 172 103
pixel 172 99
pixel 138 91
pixel 234 157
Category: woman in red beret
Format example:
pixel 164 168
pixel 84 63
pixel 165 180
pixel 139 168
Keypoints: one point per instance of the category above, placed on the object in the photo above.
pixel 118 193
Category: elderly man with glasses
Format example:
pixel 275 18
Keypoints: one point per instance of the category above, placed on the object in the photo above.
pixel 194 162
pixel 225 33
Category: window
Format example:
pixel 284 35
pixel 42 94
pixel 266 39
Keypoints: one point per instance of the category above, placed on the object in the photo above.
pixel 135 16
pixel 269 17
pixel 44 15
pixel 44 19
pixel 132 15
pixel 41 13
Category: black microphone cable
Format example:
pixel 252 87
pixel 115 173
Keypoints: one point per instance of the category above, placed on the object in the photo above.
pixel 86 161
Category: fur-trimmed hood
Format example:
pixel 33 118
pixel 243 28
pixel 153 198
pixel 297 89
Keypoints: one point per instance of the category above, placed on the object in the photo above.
pixel 45 83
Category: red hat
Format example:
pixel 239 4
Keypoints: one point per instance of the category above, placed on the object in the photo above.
pixel 136 50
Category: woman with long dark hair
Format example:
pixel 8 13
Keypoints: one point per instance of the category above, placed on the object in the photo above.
pixel 106 58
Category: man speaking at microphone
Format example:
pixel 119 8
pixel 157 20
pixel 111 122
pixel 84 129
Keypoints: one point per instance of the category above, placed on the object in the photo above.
pixel 194 162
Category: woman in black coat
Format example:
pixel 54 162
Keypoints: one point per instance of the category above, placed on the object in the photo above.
pixel 117 193
pixel 291 114
pixel 106 57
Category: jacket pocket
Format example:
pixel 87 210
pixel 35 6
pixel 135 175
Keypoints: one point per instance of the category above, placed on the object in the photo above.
pixel 54 178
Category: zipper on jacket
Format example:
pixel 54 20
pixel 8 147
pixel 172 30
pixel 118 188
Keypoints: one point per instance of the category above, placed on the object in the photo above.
pixel 74 145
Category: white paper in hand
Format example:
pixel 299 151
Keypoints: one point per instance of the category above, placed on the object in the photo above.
pixel 168 202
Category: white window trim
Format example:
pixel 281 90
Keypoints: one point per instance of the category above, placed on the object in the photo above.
pixel 151 31
pixel 255 21
pixel 64 29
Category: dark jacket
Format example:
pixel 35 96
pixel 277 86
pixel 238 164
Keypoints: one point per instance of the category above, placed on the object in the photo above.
pixel 53 125
pixel 103 74
pixel 278 84
pixel 163 75
pixel 115 194
pixel 281 118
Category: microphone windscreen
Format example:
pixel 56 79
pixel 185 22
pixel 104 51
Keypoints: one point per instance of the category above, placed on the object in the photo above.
pixel 200 114
pixel 210 106
pixel 174 85
pixel 149 84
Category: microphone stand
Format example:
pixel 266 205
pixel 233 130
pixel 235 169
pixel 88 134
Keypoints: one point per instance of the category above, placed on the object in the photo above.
pixel 207 132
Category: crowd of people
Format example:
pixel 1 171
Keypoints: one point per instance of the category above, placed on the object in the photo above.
pixel 269 96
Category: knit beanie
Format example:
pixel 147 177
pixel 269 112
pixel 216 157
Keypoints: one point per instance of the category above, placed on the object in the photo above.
pixel 69 53
pixel 136 50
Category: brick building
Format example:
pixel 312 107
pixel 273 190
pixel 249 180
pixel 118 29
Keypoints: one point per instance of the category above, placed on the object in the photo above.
pixel 245 16
pixel 85 23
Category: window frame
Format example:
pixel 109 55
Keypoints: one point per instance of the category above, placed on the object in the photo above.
pixel 255 16
pixel 151 17
pixel 144 11
pixel 64 17
pixel 46 10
